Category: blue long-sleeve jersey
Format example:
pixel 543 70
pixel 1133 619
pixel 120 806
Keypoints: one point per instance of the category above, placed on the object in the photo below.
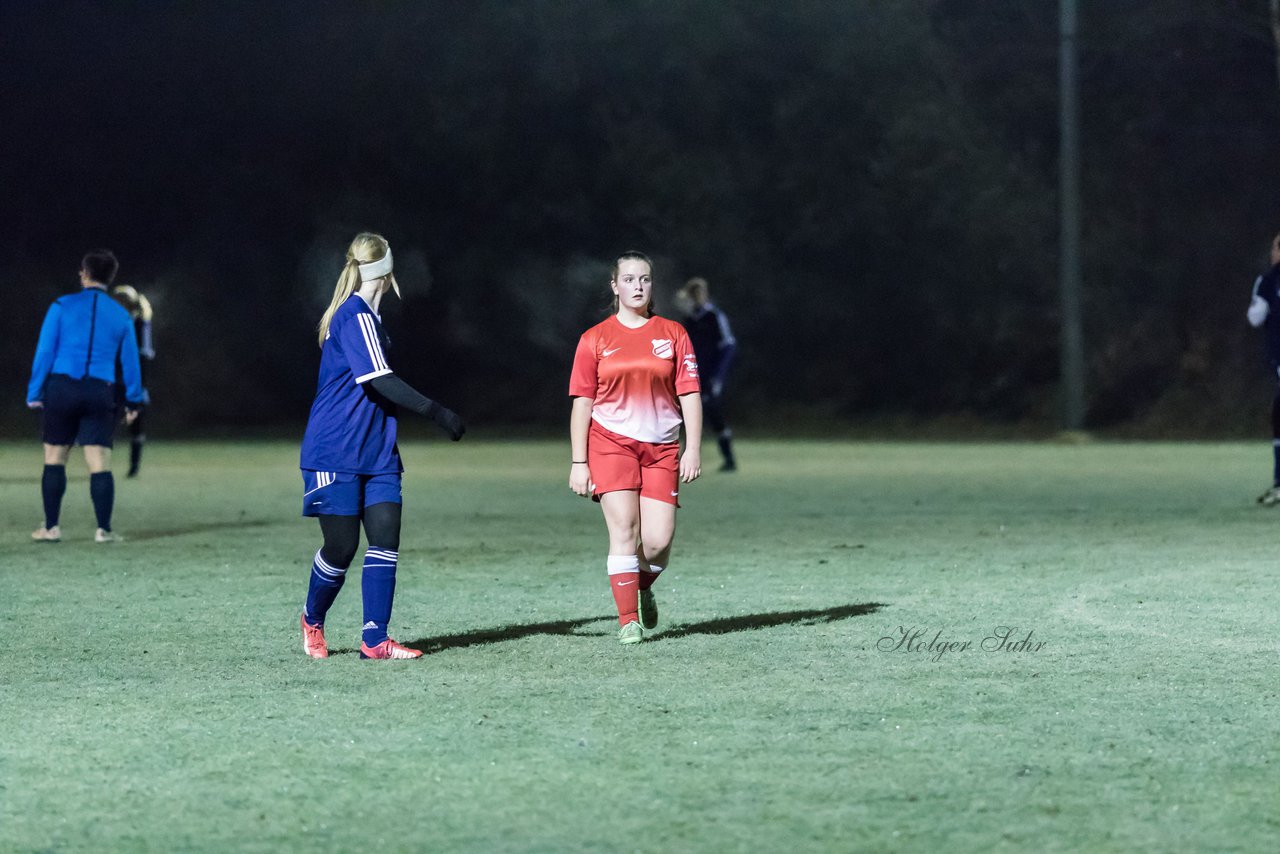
pixel 84 335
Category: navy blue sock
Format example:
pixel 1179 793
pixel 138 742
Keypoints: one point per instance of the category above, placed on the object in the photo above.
pixel 378 584
pixel 1275 452
pixel 326 581
pixel 102 489
pixel 53 485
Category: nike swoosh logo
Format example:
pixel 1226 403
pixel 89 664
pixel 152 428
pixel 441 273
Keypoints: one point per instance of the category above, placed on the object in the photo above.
pixel 674 494
pixel 604 354
pixel 625 583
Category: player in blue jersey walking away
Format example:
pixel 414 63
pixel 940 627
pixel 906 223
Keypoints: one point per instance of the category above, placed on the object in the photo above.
pixel 350 463
pixel 715 347
pixel 83 338
pixel 139 308
pixel 1264 310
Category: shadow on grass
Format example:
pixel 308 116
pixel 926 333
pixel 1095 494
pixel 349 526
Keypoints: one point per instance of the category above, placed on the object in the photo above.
pixel 204 528
pixel 748 622
pixel 721 626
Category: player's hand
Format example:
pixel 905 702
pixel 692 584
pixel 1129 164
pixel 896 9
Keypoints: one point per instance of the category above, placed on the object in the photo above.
pixel 35 404
pixel 131 414
pixel 448 421
pixel 690 465
pixel 580 479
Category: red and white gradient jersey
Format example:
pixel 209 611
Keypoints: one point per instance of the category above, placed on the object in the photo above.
pixel 635 377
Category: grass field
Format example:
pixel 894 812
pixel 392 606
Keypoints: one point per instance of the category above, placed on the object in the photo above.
pixel 808 688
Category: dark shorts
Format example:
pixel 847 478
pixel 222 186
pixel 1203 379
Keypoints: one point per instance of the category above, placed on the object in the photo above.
pixel 327 493
pixel 78 412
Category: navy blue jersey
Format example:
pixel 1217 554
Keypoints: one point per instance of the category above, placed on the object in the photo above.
pixel 1267 289
pixel 84 335
pixel 713 342
pixel 349 431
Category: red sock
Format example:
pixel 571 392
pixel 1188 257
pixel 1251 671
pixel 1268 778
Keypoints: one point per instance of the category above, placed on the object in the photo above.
pixel 624 580
pixel 647 578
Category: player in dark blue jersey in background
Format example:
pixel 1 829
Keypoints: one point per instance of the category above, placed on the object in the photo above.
pixel 84 337
pixel 1264 311
pixel 715 347
pixel 350 463
pixel 139 308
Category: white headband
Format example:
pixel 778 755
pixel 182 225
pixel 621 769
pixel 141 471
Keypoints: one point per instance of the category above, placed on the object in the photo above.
pixel 376 269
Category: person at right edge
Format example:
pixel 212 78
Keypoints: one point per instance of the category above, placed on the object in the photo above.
pixel 715 347
pixel 1264 311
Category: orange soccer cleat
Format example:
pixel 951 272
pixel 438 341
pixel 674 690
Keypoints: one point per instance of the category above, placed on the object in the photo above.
pixel 313 640
pixel 388 649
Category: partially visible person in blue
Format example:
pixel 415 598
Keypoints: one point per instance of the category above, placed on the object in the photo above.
pixel 83 338
pixel 715 347
pixel 350 463
pixel 139 308
pixel 1264 311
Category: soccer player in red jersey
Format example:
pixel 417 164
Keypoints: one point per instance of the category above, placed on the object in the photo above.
pixel 634 382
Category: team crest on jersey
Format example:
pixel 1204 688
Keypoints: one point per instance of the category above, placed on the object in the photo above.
pixel 662 348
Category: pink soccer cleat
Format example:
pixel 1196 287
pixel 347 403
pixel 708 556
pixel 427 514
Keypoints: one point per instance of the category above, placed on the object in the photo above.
pixel 313 640
pixel 388 649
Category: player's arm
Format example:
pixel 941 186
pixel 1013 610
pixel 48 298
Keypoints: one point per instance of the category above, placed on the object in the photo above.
pixel 361 345
pixel 404 395
pixel 728 351
pixel 131 371
pixel 583 388
pixel 579 428
pixel 46 349
pixel 146 346
pixel 691 459
pixel 1259 308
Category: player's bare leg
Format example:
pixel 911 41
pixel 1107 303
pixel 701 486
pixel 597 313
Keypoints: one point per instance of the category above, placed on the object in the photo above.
pixel 622 518
pixel 657 531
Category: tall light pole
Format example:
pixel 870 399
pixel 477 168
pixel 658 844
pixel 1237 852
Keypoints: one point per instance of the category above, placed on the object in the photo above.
pixel 1072 329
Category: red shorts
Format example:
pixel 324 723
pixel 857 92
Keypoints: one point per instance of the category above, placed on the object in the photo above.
pixel 619 463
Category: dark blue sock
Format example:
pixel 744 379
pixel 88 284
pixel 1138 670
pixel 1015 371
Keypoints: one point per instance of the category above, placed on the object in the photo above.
pixel 102 489
pixel 378 584
pixel 53 485
pixel 326 581
pixel 1275 452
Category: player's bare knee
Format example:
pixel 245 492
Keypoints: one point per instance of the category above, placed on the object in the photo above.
pixel 657 549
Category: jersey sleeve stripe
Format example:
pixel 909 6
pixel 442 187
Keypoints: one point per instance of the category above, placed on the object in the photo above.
pixel 371 341
pixel 366 377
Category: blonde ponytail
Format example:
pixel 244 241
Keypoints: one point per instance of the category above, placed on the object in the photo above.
pixel 365 248
pixel 348 284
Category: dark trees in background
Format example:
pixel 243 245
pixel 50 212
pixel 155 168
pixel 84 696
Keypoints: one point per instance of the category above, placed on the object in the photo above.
pixel 870 188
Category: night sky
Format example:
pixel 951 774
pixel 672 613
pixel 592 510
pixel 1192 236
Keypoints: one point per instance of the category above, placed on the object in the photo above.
pixel 869 187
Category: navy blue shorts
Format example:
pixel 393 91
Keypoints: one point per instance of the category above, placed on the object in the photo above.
pixel 78 412
pixel 326 493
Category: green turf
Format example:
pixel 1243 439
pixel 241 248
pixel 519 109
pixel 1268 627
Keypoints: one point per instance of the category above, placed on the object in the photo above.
pixel 154 695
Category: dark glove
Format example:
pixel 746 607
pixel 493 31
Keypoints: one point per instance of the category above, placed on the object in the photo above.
pixel 448 421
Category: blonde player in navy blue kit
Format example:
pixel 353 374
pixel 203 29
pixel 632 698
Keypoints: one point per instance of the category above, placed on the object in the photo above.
pixel 350 463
